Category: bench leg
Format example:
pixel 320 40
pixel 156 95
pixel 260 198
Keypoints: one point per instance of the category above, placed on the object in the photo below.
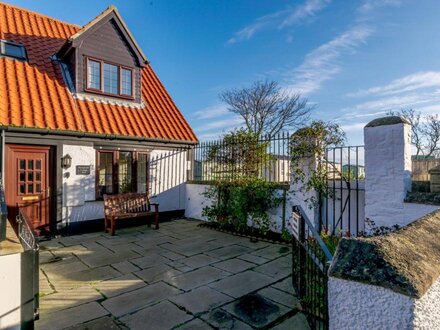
pixel 156 220
pixel 113 226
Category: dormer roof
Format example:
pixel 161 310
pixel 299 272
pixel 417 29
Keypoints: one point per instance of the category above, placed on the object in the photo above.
pixel 111 13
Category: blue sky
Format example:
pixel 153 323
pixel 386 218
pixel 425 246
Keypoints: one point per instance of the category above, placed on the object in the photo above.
pixel 355 60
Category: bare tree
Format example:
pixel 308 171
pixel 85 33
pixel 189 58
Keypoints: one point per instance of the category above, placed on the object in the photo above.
pixel 266 108
pixel 425 131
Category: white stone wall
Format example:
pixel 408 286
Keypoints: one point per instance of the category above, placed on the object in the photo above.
pixel 195 201
pixel 10 291
pixel 388 176
pixel 354 305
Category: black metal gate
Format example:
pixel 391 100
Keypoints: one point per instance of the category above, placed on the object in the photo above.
pixel 342 208
pixel 310 261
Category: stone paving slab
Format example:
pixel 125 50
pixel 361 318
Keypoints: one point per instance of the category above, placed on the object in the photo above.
pixel 181 276
pixel 297 322
pixel 221 319
pixel 70 317
pixel 228 252
pixel 196 278
pixel 63 300
pixel 195 324
pixel 135 300
pixel 256 310
pixel 157 273
pixel 119 285
pixel 200 300
pixel 234 265
pixel 105 322
pixel 164 315
pixel 277 269
pixel 241 284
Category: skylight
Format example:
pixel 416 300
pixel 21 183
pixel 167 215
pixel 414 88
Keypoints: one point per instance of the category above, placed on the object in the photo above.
pixel 13 49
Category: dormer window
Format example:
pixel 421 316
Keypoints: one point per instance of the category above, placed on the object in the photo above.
pixel 109 78
pixel 13 49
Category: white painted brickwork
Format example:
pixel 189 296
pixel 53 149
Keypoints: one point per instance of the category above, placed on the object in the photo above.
pixel 388 176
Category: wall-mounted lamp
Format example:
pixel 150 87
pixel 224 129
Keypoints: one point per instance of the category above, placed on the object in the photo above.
pixel 66 161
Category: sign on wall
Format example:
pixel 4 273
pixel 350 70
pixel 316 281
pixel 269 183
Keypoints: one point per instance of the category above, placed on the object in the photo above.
pixel 83 169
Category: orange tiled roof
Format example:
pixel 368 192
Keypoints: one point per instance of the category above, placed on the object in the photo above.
pixel 34 94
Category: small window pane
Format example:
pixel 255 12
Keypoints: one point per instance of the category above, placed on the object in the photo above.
pixel 126 82
pixel 142 173
pixel 94 74
pixel 30 188
pixel 38 164
pixel 38 176
pixel 105 184
pixel 38 187
pixel 22 176
pixel 22 164
pixel 110 78
pixel 22 188
pixel 13 50
pixel 125 163
pixel 30 164
pixel 30 176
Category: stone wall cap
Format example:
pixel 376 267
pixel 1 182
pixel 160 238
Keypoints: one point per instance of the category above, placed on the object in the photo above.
pixel 389 120
pixel 406 261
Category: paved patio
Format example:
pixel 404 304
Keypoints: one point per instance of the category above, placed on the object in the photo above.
pixel 178 277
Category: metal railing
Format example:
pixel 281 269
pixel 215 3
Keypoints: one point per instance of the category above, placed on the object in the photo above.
pixel 342 208
pixel 310 262
pixel 266 157
pixel 29 271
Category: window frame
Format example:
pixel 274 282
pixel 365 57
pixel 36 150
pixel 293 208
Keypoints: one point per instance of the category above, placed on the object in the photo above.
pixel 3 42
pixel 115 170
pixel 101 91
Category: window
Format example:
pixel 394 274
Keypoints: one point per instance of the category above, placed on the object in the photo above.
pixel 110 79
pixel 94 74
pixel 13 49
pixel 126 82
pixel 116 79
pixel 121 172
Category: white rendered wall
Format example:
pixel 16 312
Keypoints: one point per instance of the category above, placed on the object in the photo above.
pixel 10 291
pixel 196 201
pixel 79 190
pixel 357 306
pixel 388 176
pixel 168 175
pixel 354 305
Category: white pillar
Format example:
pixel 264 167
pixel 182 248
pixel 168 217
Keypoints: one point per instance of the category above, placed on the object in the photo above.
pixel 387 169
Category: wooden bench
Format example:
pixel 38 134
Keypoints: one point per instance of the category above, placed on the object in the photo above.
pixel 129 205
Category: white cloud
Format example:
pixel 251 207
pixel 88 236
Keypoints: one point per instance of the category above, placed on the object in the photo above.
pixel 212 112
pixel 308 9
pixel 370 5
pixel 219 125
pixel 281 19
pixel 322 63
pixel 409 83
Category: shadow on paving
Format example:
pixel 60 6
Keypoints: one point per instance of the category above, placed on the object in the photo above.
pixel 178 277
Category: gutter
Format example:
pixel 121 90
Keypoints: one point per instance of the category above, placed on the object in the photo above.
pixel 43 131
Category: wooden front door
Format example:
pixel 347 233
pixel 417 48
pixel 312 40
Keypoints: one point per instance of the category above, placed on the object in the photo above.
pixel 27 185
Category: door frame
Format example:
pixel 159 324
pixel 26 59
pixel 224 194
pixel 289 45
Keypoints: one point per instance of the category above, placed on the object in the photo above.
pixel 51 178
